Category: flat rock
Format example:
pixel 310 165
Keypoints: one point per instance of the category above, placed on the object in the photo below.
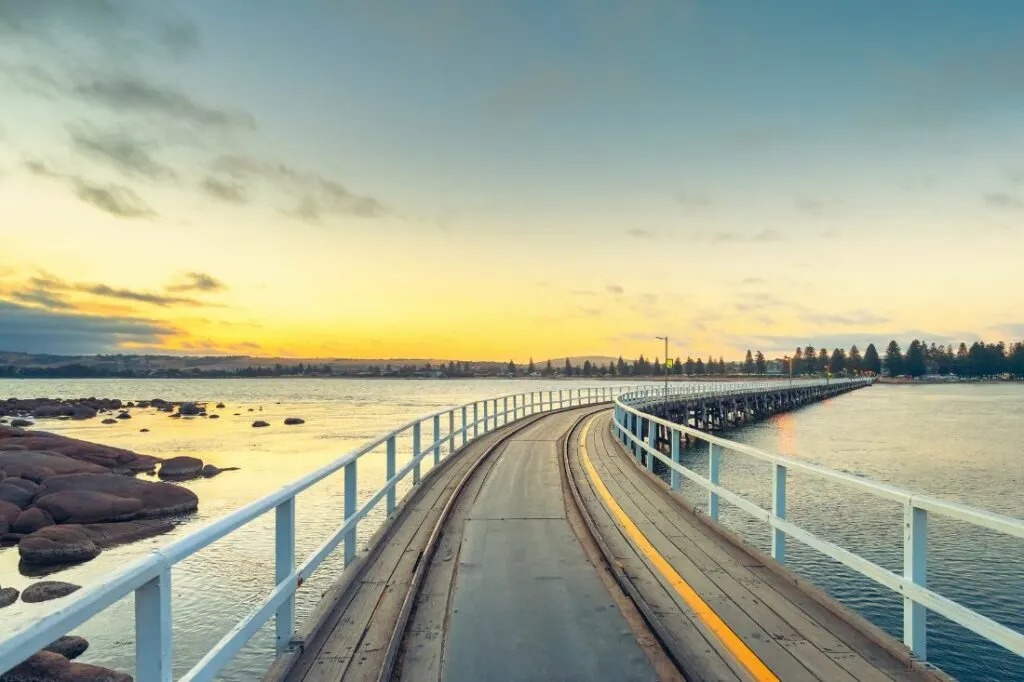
pixel 21 422
pixel 143 430
pixel 106 535
pixel 181 468
pixel 23 483
pixel 47 666
pixel 158 498
pixel 8 596
pixel 31 520
pixel 209 471
pixel 220 406
pixel 189 409
pixel 293 421
pixel 214 416
pixel 124 415
pixel 88 506
pixel 57 545
pixel 69 646
pixel 46 590
pixel 259 424
pixel 84 451
pixel 82 412
pixel 36 465
pixel 109 421
pixel 15 495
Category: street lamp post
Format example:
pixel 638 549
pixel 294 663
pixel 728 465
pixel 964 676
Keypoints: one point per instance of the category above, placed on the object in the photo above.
pixel 665 339
pixel 789 362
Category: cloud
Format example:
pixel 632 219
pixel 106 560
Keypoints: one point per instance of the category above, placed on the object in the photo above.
pixel 751 281
pixel 758 300
pixel 225 190
pixel 693 200
pixel 817 207
pixel 120 150
pixel 31 330
pixel 723 237
pixel 1003 200
pixel 638 233
pixel 48 284
pixel 117 25
pixel 117 200
pixel 42 298
pixel 314 196
pixel 854 318
pixel 130 93
pixel 198 281
pixel 615 289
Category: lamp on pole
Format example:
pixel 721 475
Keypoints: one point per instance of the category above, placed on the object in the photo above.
pixel 789 362
pixel 665 339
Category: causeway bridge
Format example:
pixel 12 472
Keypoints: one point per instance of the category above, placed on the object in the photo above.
pixel 542 545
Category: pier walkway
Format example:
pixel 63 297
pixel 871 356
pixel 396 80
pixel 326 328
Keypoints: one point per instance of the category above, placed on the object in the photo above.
pixel 542 546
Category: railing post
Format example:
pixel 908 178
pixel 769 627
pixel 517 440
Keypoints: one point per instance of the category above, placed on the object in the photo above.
pixel 153 629
pixel 533 405
pixel 392 469
pixel 451 431
pixel 504 410
pixel 515 407
pixel 350 511
pixel 437 439
pixel 652 441
pixel 915 569
pixel 465 429
pixel 561 398
pixel 416 433
pixel 779 510
pixel 676 478
pixel 714 471
pixel 476 420
pixel 284 564
pixel 486 417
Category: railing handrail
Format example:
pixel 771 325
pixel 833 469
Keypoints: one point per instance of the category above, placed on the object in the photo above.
pixel 149 576
pixel 912 584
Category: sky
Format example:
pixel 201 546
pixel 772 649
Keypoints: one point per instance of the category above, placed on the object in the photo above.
pixel 475 179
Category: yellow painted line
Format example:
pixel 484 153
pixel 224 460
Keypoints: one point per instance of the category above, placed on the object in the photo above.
pixel 732 642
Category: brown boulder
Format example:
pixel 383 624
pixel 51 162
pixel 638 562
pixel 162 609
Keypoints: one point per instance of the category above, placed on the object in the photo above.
pixel 68 646
pixel 214 416
pixel 9 512
pixel 124 415
pixel 31 520
pixel 294 421
pixel 15 495
pixel 181 468
pixel 52 410
pixel 47 666
pixel 36 466
pixel 82 412
pixel 57 545
pixel 11 432
pixel 20 423
pixel 8 596
pixel 88 506
pixel 158 499
pixel 45 590
pixel 260 423
pixel 109 421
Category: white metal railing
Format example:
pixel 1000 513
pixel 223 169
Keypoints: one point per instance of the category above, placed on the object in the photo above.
pixel 150 577
pixel 638 430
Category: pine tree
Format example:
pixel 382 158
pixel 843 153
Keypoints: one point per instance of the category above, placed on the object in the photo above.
pixel 677 367
pixel 548 370
pixel 872 363
pixel 530 369
pixel 894 359
pixel 748 363
pixel 511 369
pixel 760 366
pixel 798 362
pixel 854 362
pixel 620 367
pixel 837 364
pixel 568 368
pixel 698 368
pixel 915 362
pixel 688 368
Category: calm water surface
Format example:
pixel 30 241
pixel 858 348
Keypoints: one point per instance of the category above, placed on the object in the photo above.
pixel 962 443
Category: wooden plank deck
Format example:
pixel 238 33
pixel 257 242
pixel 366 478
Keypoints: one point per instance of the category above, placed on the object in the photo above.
pixel 794 634
pixel 349 636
